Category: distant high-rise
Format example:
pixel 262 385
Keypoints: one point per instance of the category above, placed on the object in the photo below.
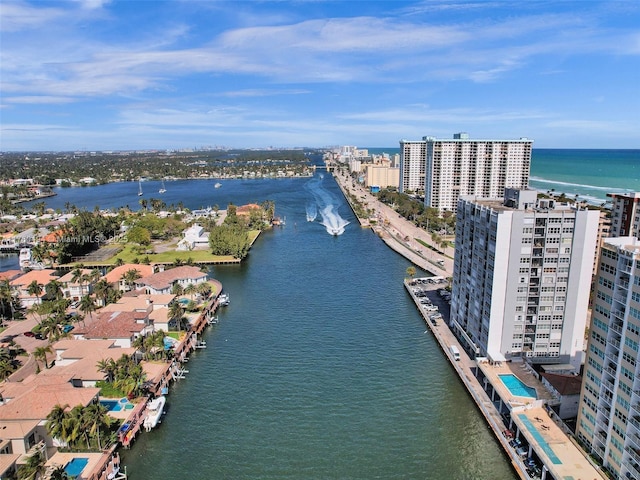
pixel 412 166
pixel 609 414
pixel 462 166
pixel 522 275
pixel 625 214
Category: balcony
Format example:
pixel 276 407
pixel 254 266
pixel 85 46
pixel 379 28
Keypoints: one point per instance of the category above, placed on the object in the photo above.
pixel 616 327
pixel 634 452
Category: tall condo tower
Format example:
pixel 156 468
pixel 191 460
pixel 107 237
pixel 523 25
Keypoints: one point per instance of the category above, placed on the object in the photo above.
pixel 462 166
pixel 625 214
pixel 522 276
pixel 609 414
pixel 412 166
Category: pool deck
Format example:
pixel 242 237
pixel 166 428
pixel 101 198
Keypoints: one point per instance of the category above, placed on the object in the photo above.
pixel 62 458
pixel 558 451
pixel 520 370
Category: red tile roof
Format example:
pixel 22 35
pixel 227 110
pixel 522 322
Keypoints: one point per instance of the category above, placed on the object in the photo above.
pixel 163 280
pixel 113 325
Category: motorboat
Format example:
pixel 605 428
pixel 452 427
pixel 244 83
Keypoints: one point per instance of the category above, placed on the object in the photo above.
pixel 223 300
pixel 155 409
pixel 25 258
pixel 217 185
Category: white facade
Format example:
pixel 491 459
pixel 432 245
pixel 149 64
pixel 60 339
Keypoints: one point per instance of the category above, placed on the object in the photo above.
pixel 412 166
pixel 609 417
pixel 522 275
pixel 451 168
pixel 625 214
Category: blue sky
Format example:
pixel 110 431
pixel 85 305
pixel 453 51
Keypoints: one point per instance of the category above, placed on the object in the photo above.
pixel 113 75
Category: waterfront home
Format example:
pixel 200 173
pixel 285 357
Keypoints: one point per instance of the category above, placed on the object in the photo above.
pixel 163 282
pixel 35 399
pixel 245 210
pixel 115 276
pixel 134 302
pixel 78 359
pixel 193 237
pixel 20 285
pixel 121 327
pixel 75 288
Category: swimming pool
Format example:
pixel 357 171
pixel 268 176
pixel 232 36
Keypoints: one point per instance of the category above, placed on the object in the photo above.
pixel 75 466
pixel 516 387
pixel 116 405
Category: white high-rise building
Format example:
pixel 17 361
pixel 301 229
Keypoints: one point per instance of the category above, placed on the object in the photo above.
pixel 609 414
pixel 412 166
pixel 522 276
pixel 625 214
pixel 463 166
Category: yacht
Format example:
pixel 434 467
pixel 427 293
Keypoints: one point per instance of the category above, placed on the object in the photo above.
pixel 223 300
pixel 155 409
pixel 25 258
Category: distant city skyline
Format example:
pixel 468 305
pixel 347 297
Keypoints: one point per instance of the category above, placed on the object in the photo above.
pixel 126 75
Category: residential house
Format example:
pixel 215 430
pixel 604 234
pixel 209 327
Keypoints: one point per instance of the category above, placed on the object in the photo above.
pixel 194 237
pixel 78 288
pixel 163 282
pixel 121 327
pixel 115 276
pixel 21 285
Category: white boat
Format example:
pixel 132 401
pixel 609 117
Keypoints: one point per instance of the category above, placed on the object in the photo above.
pixel 139 188
pixel 155 409
pixel 162 189
pixel 223 300
pixel 217 185
pixel 25 258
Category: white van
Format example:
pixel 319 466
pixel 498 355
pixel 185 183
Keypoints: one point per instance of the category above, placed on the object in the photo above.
pixel 455 352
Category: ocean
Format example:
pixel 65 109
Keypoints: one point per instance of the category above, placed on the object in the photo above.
pixel 590 174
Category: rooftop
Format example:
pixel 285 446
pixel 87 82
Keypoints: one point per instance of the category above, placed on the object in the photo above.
pixel 163 280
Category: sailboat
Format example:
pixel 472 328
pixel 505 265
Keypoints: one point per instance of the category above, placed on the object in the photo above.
pixel 162 189
pixel 139 188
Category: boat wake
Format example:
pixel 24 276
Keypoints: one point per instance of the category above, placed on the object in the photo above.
pixel 312 212
pixel 326 204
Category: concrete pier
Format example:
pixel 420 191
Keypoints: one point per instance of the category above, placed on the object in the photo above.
pixel 552 451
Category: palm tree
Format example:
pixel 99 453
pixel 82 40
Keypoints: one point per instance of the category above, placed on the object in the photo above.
pixel 177 289
pixel 130 277
pixel 108 367
pixel 53 290
pixel 204 289
pixel 87 306
pixel 35 289
pixel 411 271
pixel 34 468
pixel 94 416
pixel 190 290
pixel 55 423
pixel 101 290
pixel 40 353
pixel 176 313
pixel 59 473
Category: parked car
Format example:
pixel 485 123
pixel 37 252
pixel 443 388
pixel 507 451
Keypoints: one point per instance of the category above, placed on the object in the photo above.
pixel 29 334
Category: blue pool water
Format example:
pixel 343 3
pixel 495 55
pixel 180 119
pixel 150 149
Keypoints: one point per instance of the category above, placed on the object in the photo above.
pixel 539 438
pixel 516 387
pixel 117 405
pixel 111 405
pixel 75 466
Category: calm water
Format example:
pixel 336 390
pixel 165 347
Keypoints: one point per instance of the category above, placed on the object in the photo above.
pixel 320 367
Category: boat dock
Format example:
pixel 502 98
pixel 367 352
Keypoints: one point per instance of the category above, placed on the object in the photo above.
pixel 170 371
pixel 529 433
